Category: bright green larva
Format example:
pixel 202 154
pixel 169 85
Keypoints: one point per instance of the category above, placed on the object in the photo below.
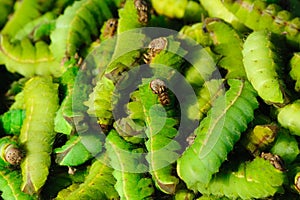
pixel 217 134
pixel 37 133
pixel 261 67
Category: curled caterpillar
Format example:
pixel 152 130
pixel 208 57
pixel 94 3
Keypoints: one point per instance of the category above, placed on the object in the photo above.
pixel 155 46
pixel 143 11
pixel 110 28
pixel 13 155
pixel 159 87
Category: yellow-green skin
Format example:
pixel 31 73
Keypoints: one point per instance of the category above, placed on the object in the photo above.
pixel 37 133
pixel 258 59
pixel 289 116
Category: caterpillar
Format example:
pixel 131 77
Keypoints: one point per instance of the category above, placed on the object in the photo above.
pixel 295 70
pixel 216 135
pixel 288 115
pixel 109 28
pixel 258 15
pixel 70 34
pixel 245 181
pixel 37 133
pixel 158 87
pixel 162 149
pixel 228 44
pixel 10 153
pixel 113 77
pixel 127 162
pixel 261 67
pixel 100 102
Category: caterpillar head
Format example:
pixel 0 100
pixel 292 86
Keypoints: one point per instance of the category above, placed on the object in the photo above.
pixel 155 46
pixel 158 44
pixel 158 86
pixel 110 28
pixel 275 160
pixel 143 10
pixel 13 155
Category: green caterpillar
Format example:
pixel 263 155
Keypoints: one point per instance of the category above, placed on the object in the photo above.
pixel 100 102
pixel 217 134
pixel 295 70
pixel 228 44
pixel 288 117
pixel 258 15
pixel 105 95
pixel 261 67
pixel 161 147
pixel 255 179
pixel 37 133
pixel 129 185
pixel 78 25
